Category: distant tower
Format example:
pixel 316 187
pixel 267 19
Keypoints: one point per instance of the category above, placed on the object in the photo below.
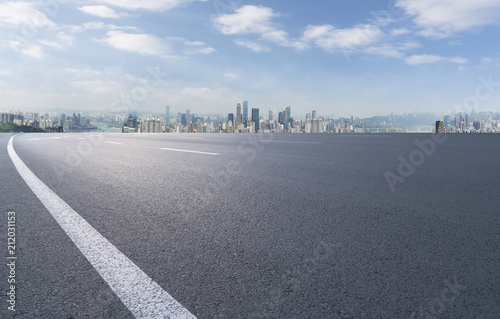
pixel 314 114
pixel 238 115
pixel 245 111
pixel 271 116
pixel 167 114
pixel 256 118
pixel 230 118
pixel 440 127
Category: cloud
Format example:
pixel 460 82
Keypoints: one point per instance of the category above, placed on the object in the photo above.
pixel 332 39
pixel 423 59
pixel 33 51
pixel 400 31
pixel 102 11
pixel 458 60
pixel 5 73
pixel 193 47
pixel 254 46
pixel 444 18
pixel 23 13
pixel 427 58
pixel 97 25
pixel 257 20
pixel 226 75
pixel 146 44
pixel 153 5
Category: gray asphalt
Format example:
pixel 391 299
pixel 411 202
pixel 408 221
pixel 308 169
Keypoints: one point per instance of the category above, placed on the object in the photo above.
pixel 276 226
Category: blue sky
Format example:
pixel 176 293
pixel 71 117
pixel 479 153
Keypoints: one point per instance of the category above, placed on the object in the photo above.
pixel 339 57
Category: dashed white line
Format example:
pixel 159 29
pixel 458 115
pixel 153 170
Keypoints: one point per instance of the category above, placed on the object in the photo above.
pixel 188 151
pixel 297 142
pixel 138 292
pixel 109 142
pixel 45 138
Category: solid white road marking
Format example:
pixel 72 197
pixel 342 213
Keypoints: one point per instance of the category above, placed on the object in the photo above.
pixel 109 142
pixel 187 151
pixel 140 294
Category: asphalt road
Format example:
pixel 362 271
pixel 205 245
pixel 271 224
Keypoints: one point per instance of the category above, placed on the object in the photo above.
pixel 261 226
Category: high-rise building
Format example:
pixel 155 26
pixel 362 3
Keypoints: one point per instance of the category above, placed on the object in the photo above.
pixel 245 111
pixel 230 118
pixel 167 114
pixel 238 115
pixel 440 127
pixel 271 116
pixel 314 114
pixel 188 116
pixel 256 118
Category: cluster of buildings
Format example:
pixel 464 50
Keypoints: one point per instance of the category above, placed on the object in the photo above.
pixel 48 122
pixel 473 122
pixel 243 120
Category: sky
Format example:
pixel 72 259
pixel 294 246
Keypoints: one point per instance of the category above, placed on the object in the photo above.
pixel 341 58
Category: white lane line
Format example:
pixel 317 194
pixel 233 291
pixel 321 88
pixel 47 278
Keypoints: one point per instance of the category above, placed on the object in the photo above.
pixel 140 294
pixel 187 151
pixel 297 142
pixel 109 142
pixel 82 138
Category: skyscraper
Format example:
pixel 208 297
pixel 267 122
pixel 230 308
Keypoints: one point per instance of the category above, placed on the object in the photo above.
pixel 245 112
pixel 230 118
pixel 314 114
pixel 271 117
pixel 256 118
pixel 167 114
pixel 238 115
pixel 440 127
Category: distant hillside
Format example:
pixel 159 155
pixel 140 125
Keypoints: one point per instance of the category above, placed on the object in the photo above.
pixel 11 127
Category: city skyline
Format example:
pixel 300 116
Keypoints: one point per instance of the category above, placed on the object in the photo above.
pixel 362 57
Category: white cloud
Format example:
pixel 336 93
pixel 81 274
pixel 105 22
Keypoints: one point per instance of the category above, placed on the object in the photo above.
pixel 97 25
pixel 458 60
pixel 332 39
pixel 254 46
pixel 257 20
pixel 443 18
pixel 400 31
pixel 227 75
pixel 427 58
pixel 23 13
pixel 5 73
pixel 33 51
pixel 423 59
pixel 384 50
pixel 102 11
pixel 55 45
pixel 153 5
pixel 140 43
pixel 97 86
